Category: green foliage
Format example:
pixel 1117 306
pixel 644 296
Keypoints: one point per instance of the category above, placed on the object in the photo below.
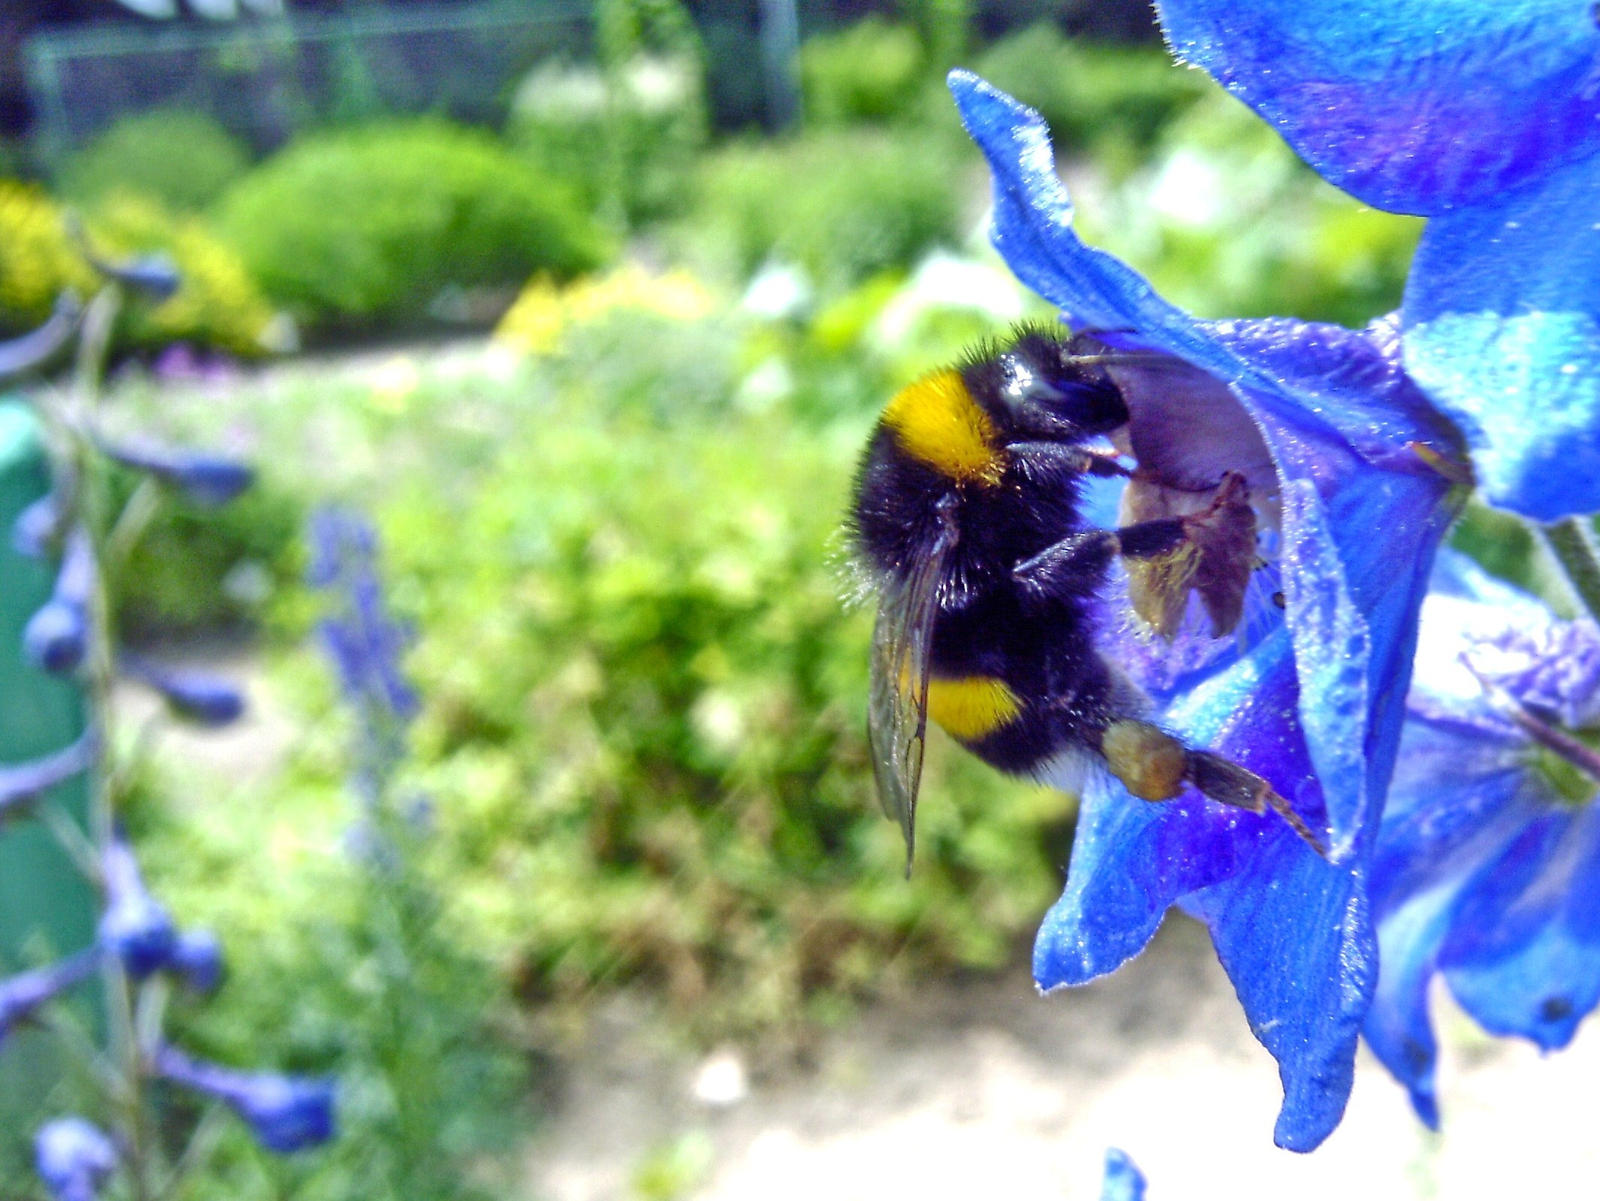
pixel 1226 221
pixel 198 568
pixel 843 203
pixel 181 159
pixel 1104 99
pixel 627 137
pixel 628 129
pixel 644 698
pixel 869 70
pixel 362 230
pixel 334 966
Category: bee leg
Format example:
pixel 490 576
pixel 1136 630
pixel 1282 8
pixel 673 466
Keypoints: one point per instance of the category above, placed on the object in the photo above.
pixel 1227 782
pixel 1154 766
pixel 1073 458
pixel 1075 564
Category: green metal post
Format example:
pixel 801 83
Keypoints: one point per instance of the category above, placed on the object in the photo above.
pixel 46 906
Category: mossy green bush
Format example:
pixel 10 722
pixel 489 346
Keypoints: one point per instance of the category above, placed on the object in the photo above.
pixel 361 231
pixel 181 159
pixel 869 70
pixel 842 203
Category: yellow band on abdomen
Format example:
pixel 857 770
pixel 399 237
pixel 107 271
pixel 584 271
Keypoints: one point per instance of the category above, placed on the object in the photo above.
pixel 970 707
pixel 937 421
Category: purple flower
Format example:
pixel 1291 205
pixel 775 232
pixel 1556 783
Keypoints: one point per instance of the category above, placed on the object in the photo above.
pixel 1488 864
pixel 37 527
pixel 364 643
pixel 21 783
pixel 204 699
pixel 25 992
pixel 286 1113
pixel 197 958
pixel 56 638
pixel 134 926
pixel 38 346
pixel 1326 420
pixel 1485 118
pixel 73 1157
pixel 205 478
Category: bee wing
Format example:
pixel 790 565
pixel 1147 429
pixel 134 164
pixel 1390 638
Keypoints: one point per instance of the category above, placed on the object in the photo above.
pixel 897 716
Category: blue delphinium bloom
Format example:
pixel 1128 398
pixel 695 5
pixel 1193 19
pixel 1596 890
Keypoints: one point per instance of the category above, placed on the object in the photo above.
pixel 1326 421
pixel 23 783
pixel 197 959
pixel 286 1113
pixel 21 995
pixel 205 478
pixel 364 643
pixel 73 1157
pixel 1488 864
pixel 1123 1181
pixel 204 699
pixel 56 638
pixel 1485 118
pixel 134 926
pixel 38 346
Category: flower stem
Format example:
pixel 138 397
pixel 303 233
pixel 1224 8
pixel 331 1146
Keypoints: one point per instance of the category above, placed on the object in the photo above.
pixel 1571 540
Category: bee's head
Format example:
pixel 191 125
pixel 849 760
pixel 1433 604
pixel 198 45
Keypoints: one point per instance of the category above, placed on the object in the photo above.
pixel 1045 387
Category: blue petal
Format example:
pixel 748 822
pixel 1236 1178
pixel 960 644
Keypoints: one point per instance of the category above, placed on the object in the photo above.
pixel 1294 935
pixel 1431 844
pixel 1416 107
pixel 1123 1180
pixel 1523 956
pixel 1502 327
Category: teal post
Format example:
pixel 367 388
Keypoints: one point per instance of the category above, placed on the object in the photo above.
pixel 46 906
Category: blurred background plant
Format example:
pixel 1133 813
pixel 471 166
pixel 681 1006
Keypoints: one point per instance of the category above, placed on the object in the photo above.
pixel 596 351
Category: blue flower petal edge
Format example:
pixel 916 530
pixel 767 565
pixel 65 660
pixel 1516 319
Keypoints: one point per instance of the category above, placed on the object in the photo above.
pixel 1376 97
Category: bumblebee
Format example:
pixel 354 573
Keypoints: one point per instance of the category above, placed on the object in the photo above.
pixel 966 520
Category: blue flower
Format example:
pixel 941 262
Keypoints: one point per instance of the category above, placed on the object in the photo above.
pixel 197 959
pixel 286 1113
pixel 38 346
pixel 22 783
pixel 37 527
pixel 73 1157
pixel 134 926
pixel 1327 421
pixel 1488 864
pixel 203 699
pixel 1123 1181
pixel 364 643
pixel 205 478
pixel 1485 118
pixel 56 638
pixel 22 994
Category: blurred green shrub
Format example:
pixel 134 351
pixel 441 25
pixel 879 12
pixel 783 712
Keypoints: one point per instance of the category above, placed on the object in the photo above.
pixel 180 158
pixel 1102 99
pixel 362 230
pixel 198 568
pixel 842 203
pixel 867 71
pixel 628 136
pixel 217 306
pixel 644 726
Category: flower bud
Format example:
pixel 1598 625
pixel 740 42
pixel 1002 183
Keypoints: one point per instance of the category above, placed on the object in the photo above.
pixel 286 1113
pixel 73 1157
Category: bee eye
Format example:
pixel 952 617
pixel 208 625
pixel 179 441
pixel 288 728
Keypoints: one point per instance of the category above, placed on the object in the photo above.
pixel 1060 392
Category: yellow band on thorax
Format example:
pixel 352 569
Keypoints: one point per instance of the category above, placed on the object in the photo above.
pixel 969 707
pixel 936 420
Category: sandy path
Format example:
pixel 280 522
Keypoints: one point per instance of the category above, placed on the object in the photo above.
pixel 978 1090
